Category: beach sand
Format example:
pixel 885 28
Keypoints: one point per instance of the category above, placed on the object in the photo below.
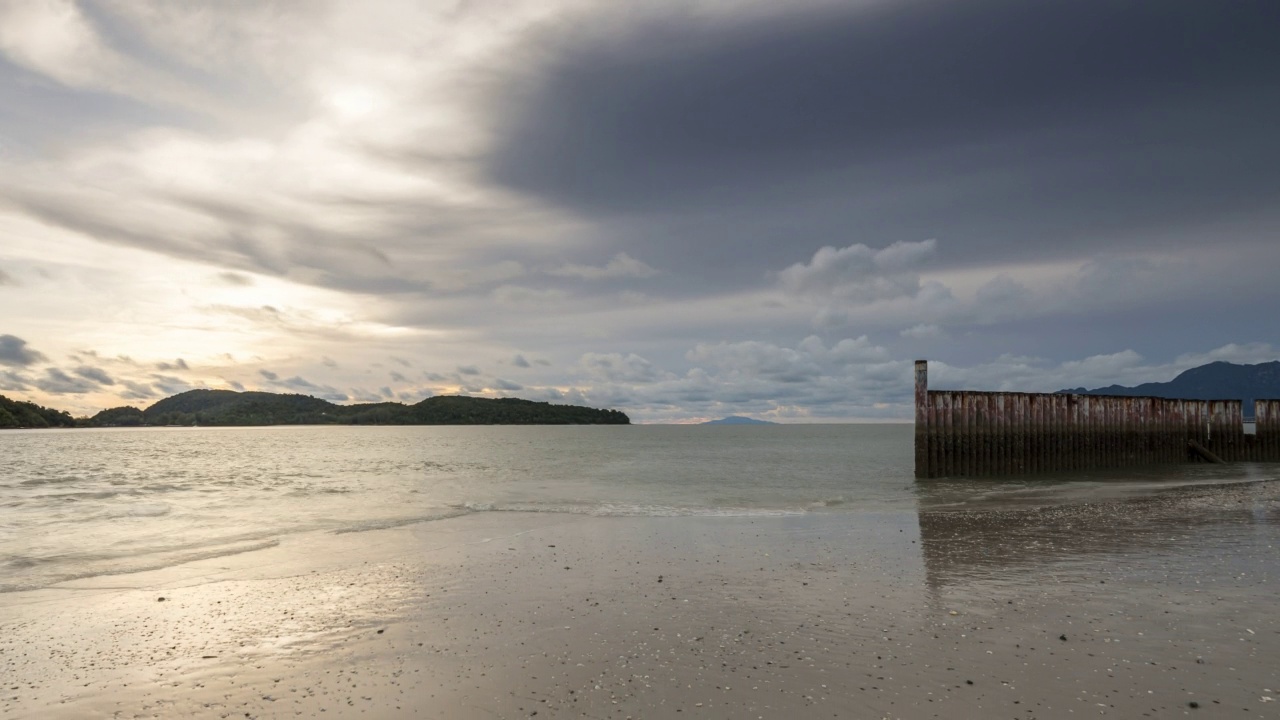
pixel 1145 607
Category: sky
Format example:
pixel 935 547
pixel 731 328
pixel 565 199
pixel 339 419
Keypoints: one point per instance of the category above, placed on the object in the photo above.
pixel 682 210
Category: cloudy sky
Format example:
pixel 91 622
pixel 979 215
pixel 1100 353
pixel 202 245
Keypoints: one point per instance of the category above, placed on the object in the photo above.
pixel 683 210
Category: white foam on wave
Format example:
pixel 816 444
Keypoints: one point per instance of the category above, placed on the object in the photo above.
pixel 627 510
pixel 143 564
pixel 140 510
pixel 387 523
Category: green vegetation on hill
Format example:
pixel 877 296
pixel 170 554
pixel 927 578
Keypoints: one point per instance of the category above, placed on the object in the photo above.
pixel 1215 381
pixel 18 414
pixel 226 407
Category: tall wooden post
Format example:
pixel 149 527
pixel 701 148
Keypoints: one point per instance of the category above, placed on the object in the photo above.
pixel 922 419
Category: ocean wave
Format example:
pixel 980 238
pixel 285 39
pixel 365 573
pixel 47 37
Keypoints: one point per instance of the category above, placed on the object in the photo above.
pixel 36 482
pixel 77 496
pixel 144 564
pixel 628 510
pixel 599 510
pixel 310 491
pixel 139 510
pixel 388 523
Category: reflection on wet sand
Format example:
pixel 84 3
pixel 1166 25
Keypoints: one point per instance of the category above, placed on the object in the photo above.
pixel 996 538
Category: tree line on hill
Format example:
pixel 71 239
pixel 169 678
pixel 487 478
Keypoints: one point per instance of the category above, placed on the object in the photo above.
pixel 1215 381
pixel 227 407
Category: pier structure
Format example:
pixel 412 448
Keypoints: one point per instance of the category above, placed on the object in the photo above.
pixel 965 433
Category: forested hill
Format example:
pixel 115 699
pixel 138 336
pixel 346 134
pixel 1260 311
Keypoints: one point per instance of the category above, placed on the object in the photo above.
pixel 226 407
pixel 1215 381
pixel 15 413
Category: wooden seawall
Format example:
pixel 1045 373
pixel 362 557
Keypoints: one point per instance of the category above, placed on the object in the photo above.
pixel 967 433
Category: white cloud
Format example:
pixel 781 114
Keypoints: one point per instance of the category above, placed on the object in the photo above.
pixel 54 38
pixel 622 265
pixel 616 367
pixel 858 273
pixel 923 331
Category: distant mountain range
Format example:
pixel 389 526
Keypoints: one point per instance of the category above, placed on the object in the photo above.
pixel 1215 381
pixel 226 407
pixel 738 420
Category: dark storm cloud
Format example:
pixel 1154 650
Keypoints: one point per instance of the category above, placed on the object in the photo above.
pixel 1070 117
pixel 141 391
pixel 95 374
pixel 57 382
pixel 10 380
pixel 14 352
pixel 170 385
pixel 300 384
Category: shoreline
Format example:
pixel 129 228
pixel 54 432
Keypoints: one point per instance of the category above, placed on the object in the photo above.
pixel 504 614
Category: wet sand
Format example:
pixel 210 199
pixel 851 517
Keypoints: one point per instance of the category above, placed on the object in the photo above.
pixel 1148 607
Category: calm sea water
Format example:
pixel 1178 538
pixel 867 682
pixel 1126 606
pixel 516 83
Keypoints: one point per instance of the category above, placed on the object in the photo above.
pixel 81 503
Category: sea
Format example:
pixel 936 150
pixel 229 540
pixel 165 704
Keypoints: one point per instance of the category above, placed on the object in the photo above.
pixel 89 502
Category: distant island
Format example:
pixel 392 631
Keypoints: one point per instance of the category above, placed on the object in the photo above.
pixel 227 407
pixel 1215 381
pixel 738 420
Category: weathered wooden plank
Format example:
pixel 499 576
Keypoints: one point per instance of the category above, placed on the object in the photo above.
pixel 922 419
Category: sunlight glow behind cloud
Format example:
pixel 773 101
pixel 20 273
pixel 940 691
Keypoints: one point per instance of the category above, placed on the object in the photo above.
pixel 678 210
